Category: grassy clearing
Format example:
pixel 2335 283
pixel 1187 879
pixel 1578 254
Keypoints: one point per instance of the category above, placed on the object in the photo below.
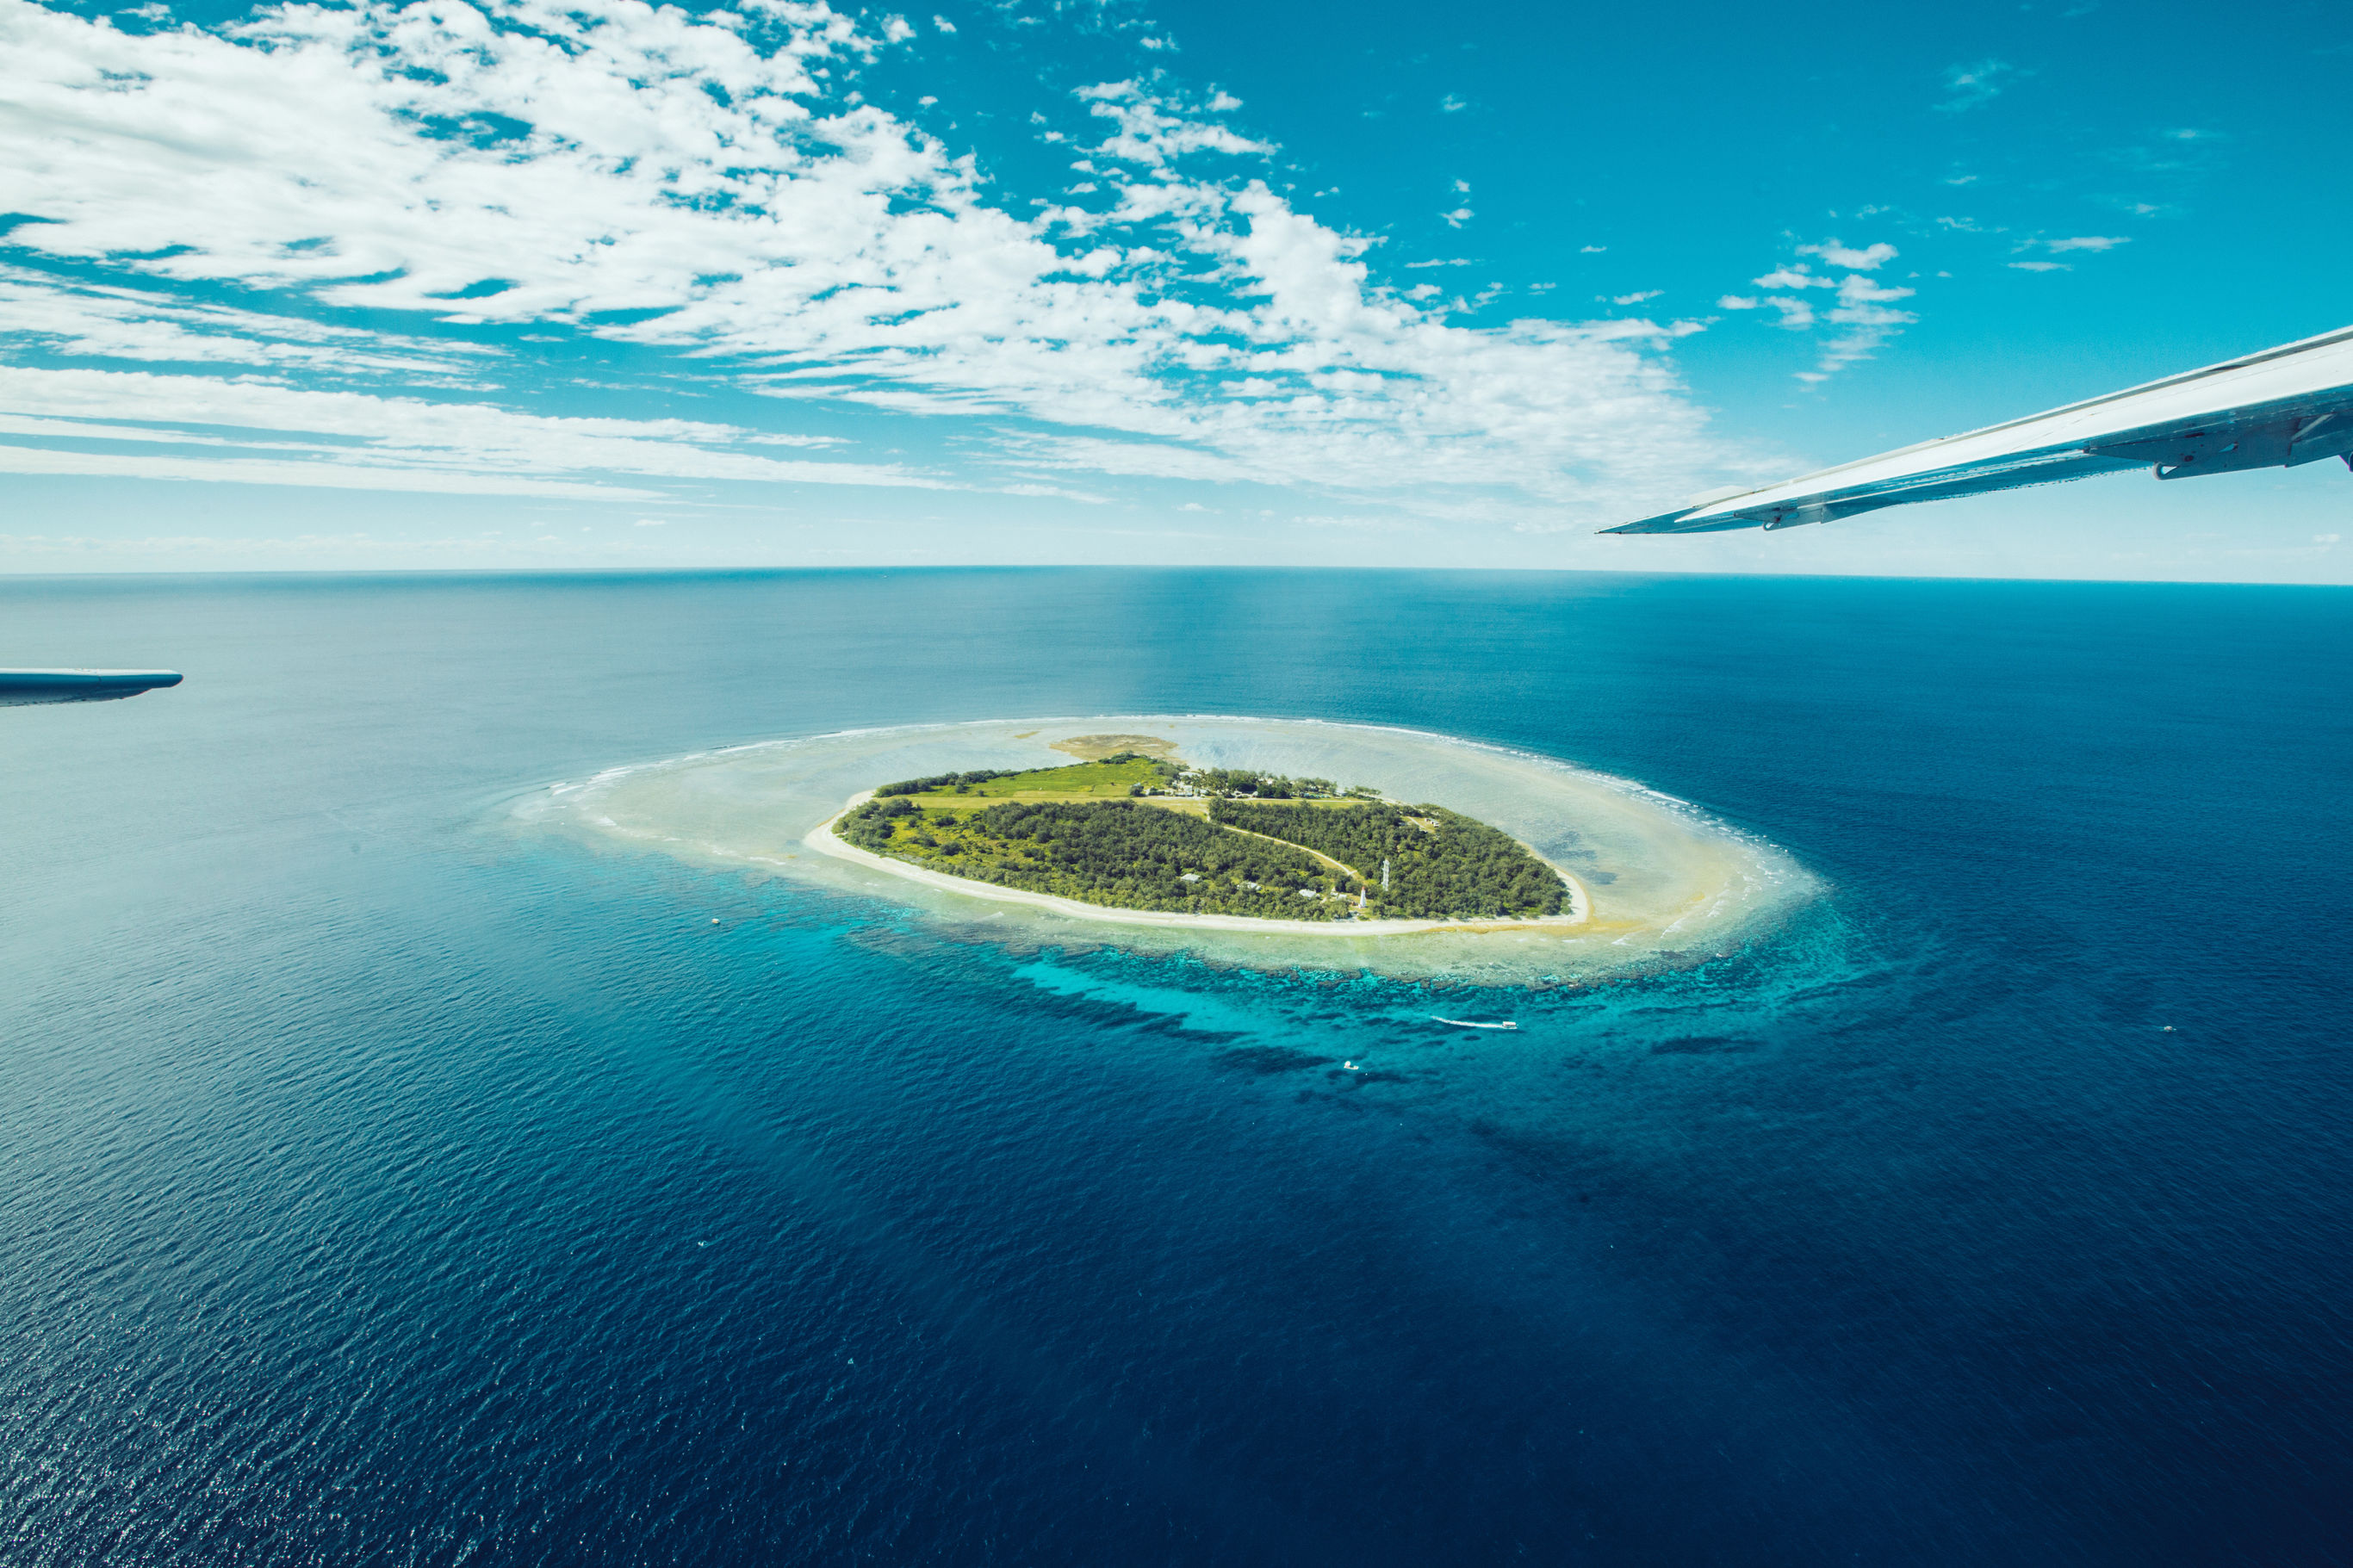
pixel 1079 781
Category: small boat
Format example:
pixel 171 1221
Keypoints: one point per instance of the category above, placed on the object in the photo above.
pixel 1469 1023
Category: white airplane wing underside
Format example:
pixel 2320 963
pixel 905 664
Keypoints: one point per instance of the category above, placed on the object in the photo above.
pixel 2279 408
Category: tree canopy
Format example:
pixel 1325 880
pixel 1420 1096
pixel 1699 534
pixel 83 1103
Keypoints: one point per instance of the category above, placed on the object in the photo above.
pixel 1248 858
pixel 1443 865
pixel 1112 852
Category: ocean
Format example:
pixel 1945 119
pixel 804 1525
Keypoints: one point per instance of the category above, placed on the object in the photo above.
pixel 381 1185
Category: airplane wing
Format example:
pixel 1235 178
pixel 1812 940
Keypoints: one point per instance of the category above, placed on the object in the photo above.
pixel 2283 408
pixel 20 687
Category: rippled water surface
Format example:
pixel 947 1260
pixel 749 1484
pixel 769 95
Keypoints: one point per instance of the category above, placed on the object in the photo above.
pixel 376 1187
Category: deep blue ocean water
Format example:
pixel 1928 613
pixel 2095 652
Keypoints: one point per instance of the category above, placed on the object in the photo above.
pixel 378 1186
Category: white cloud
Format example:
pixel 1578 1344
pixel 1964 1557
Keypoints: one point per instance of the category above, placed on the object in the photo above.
pixel 691 185
pixel 313 475
pixel 944 24
pixel 342 552
pixel 453 446
pixel 1798 277
pixel 1458 217
pixel 1451 104
pixel 1591 249
pixel 1967 86
pixel 2087 242
pixel 1855 290
pixel 1055 492
pixel 79 320
pixel 1156 132
pixel 1636 298
pixel 1868 259
pixel 2041 266
pixel 1861 308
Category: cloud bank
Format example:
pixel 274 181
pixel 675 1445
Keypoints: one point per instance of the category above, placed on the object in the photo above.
pixel 323 245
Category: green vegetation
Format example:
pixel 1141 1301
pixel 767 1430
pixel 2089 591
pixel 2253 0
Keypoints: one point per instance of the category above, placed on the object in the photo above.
pixel 1113 852
pixel 960 782
pixel 1440 863
pixel 1126 774
pixel 1234 782
pixel 1068 831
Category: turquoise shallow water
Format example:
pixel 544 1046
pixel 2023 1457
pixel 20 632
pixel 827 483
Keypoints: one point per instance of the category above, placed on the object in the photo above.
pixel 376 1186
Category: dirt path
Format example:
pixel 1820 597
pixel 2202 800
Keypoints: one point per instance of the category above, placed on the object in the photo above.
pixel 1287 844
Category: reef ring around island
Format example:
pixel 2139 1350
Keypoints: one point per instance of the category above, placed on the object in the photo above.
pixel 1652 881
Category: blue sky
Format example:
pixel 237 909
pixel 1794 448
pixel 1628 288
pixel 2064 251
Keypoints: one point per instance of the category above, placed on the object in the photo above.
pixel 528 285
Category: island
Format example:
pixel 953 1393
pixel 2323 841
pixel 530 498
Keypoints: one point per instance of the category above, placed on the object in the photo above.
pixel 1135 830
pixel 1225 839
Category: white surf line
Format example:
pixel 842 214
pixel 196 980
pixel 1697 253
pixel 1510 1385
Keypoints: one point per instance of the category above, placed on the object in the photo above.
pixel 821 839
